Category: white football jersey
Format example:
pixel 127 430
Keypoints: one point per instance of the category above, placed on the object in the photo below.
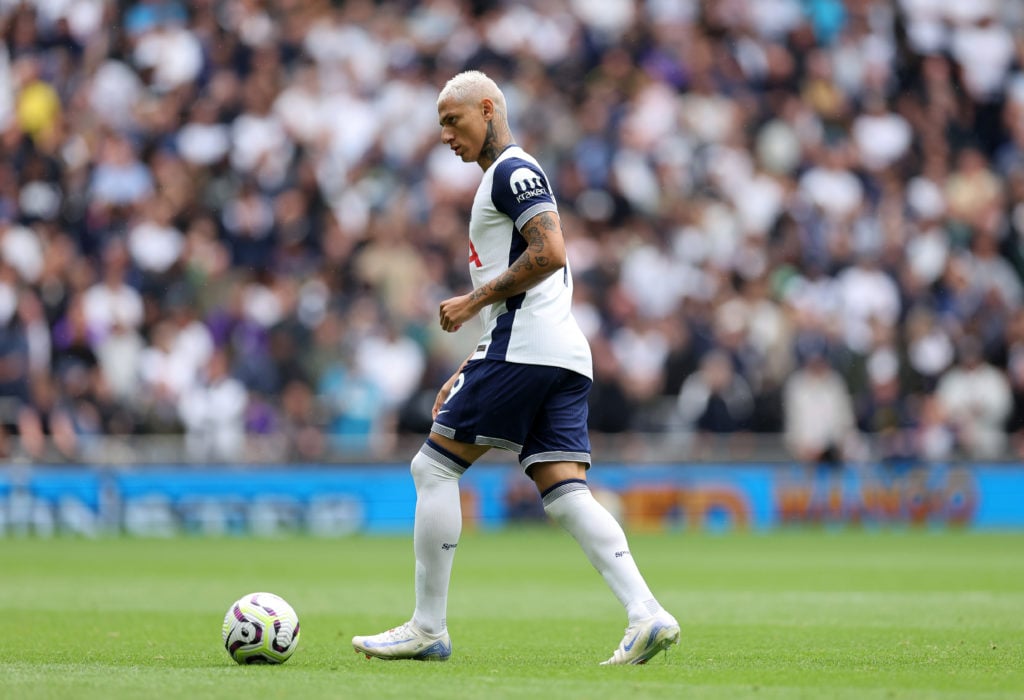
pixel 535 327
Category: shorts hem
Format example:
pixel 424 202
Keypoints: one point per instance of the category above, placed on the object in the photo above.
pixel 443 430
pixel 452 434
pixel 499 443
pixel 556 456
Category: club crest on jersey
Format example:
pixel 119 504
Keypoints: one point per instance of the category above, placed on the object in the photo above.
pixel 526 184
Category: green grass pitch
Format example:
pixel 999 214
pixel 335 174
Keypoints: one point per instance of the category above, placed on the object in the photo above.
pixel 811 614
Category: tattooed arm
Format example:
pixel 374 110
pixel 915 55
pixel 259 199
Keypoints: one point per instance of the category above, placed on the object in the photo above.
pixel 544 255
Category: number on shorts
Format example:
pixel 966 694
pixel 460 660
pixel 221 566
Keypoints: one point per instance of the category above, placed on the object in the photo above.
pixel 456 386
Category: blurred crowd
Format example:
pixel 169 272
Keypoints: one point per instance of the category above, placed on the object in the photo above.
pixel 227 219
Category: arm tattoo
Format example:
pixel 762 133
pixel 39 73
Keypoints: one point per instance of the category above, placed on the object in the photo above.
pixel 533 264
pixel 537 235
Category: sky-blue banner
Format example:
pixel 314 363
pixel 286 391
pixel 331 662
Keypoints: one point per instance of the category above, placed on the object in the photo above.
pixel 336 500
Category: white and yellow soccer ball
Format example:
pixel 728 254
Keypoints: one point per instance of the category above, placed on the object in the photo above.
pixel 260 628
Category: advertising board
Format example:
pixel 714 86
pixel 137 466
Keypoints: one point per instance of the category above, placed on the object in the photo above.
pixel 332 501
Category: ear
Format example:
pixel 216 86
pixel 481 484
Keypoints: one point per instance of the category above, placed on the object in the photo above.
pixel 487 108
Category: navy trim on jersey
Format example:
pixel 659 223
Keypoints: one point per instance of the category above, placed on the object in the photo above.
pixel 502 332
pixel 516 247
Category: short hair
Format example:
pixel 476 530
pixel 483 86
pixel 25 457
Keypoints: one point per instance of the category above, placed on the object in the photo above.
pixel 473 85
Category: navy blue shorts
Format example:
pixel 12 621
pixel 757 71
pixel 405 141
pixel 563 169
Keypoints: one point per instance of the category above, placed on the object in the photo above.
pixel 537 411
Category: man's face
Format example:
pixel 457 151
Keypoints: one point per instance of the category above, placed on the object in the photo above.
pixel 464 127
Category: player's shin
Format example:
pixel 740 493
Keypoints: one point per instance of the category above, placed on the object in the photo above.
pixel 572 506
pixel 436 532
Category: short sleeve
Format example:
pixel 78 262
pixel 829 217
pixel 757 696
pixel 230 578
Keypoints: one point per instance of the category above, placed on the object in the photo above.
pixel 520 191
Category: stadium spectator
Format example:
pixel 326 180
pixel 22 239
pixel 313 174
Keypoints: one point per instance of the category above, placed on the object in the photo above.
pixel 213 411
pixel 715 399
pixel 880 137
pixel 977 398
pixel 112 300
pixel 355 409
pixel 934 437
pixel 818 414
pixel 119 354
pixel 119 178
pixel 393 362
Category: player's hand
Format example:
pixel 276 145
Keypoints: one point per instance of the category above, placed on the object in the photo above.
pixel 442 395
pixel 456 311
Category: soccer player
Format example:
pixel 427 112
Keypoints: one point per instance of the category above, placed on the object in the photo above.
pixel 524 388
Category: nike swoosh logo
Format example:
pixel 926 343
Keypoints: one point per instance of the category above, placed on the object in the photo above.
pixel 627 647
pixel 444 411
pixel 388 644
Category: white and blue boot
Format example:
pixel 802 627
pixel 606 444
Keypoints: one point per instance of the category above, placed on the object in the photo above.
pixel 645 639
pixel 405 642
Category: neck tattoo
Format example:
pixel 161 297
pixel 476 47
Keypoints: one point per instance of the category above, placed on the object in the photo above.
pixel 491 148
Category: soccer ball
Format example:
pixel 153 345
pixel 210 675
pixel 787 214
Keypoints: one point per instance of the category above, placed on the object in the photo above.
pixel 260 628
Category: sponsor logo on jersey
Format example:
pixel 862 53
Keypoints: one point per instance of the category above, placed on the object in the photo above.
pixel 526 184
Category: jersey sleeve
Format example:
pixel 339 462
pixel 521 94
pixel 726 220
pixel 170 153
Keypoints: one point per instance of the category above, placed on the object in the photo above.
pixel 520 191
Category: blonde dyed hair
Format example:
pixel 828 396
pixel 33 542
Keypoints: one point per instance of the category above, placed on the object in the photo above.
pixel 473 86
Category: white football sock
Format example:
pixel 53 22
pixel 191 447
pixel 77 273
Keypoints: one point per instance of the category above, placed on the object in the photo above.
pixel 436 531
pixel 572 506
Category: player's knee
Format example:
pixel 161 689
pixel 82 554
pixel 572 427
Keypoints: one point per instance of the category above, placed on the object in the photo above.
pixel 427 469
pixel 548 474
pixel 558 495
